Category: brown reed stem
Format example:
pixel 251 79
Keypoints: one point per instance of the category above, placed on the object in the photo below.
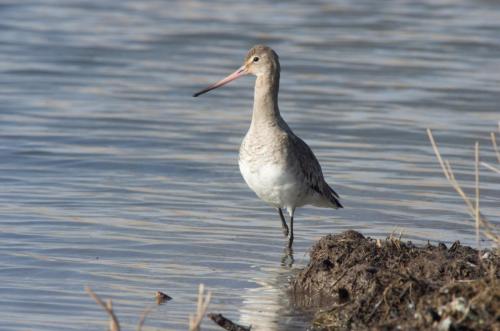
pixel 114 325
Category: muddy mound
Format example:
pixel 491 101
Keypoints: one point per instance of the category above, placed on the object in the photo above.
pixel 353 282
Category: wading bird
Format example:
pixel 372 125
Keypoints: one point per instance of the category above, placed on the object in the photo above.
pixel 276 164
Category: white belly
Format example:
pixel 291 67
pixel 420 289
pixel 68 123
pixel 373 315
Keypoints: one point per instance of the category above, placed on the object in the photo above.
pixel 273 184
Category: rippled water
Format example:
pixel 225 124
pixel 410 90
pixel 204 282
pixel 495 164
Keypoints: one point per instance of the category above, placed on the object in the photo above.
pixel 114 177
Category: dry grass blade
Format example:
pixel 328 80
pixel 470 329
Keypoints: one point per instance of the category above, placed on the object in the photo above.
pixel 438 155
pixel 201 309
pixel 489 166
pixel 474 211
pixel 108 307
pixel 448 172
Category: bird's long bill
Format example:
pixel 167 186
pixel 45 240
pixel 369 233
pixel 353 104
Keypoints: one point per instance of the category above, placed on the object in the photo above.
pixel 237 74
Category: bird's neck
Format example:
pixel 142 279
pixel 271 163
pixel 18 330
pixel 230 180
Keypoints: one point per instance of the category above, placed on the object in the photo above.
pixel 265 102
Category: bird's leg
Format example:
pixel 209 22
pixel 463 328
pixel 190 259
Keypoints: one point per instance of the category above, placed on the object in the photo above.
pixel 283 223
pixel 290 238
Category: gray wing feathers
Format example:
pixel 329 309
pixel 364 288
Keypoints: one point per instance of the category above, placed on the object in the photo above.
pixel 311 171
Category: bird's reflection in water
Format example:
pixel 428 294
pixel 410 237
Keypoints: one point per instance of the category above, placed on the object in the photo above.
pixel 287 259
pixel 270 307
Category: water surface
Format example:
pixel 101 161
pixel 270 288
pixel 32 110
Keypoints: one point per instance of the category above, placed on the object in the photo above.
pixel 113 176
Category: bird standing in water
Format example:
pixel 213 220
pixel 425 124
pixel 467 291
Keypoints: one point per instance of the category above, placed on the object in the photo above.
pixel 276 164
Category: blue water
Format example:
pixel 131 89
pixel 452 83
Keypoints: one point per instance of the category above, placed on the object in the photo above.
pixel 113 176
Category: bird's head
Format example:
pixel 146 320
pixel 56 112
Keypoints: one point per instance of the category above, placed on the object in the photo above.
pixel 260 60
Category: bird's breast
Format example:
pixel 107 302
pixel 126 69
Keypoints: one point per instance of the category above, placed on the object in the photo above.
pixel 267 173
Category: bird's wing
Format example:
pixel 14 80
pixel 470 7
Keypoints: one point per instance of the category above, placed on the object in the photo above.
pixel 311 170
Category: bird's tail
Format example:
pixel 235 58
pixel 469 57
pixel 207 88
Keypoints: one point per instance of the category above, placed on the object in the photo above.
pixel 333 197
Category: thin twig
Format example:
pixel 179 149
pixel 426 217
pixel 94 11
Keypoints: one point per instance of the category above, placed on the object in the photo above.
pixel 114 325
pixel 145 314
pixel 339 278
pixel 477 195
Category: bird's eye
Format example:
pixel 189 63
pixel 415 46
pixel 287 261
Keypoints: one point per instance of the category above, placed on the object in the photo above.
pixel 256 59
